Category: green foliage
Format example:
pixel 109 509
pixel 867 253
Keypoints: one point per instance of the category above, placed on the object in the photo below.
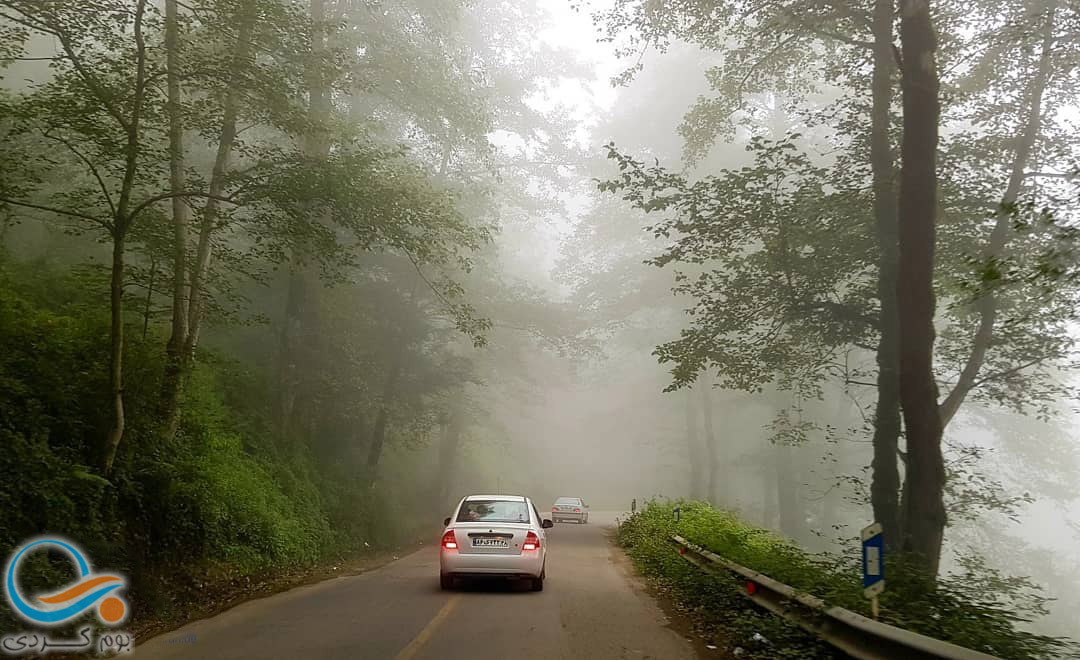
pixel 226 498
pixel 350 147
pixel 776 258
pixel 977 608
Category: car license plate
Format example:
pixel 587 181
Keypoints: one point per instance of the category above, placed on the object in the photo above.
pixel 490 543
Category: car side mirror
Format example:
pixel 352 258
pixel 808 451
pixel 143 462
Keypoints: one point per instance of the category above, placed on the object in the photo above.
pixel 446 523
pixel 586 506
pixel 546 524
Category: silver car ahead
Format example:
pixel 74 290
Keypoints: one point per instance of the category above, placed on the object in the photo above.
pixel 570 508
pixel 494 536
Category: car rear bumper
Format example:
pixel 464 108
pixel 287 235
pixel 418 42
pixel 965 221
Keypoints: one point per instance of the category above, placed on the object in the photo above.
pixel 527 564
pixel 568 515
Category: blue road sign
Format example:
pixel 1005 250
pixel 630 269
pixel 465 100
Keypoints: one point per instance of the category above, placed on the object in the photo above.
pixel 873 560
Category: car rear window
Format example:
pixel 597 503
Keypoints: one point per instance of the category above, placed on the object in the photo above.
pixel 505 511
pixel 568 500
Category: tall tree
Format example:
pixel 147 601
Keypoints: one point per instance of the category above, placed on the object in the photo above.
pixel 96 107
pixel 1031 119
pixel 885 473
pixel 189 299
pixel 180 217
pixel 924 520
pixel 711 464
pixel 694 450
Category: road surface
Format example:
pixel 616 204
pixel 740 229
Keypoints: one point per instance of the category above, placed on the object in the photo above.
pixel 592 606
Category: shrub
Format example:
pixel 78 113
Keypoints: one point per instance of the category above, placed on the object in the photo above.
pixel 224 500
pixel 978 609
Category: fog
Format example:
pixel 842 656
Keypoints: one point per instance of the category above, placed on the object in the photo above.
pixel 614 250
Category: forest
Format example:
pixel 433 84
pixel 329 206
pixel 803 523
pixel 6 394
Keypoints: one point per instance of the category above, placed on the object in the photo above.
pixel 280 281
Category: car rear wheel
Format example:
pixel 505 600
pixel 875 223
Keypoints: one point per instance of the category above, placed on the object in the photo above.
pixel 446 582
pixel 538 582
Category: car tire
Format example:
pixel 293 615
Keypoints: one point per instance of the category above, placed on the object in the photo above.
pixel 538 583
pixel 446 582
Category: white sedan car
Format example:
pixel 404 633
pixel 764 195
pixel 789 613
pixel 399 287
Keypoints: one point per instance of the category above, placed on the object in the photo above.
pixel 494 536
pixel 570 508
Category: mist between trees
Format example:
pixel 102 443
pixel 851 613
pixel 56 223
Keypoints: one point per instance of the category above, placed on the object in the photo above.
pixel 280 281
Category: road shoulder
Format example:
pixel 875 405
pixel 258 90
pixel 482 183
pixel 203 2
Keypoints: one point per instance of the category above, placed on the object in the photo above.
pixel 678 619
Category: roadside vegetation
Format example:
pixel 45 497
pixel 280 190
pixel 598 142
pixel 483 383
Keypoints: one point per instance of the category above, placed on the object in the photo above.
pixel 977 608
pixel 228 504
pixel 236 238
pixel 281 279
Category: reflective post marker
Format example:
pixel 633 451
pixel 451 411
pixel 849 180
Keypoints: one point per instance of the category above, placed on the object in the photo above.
pixel 873 564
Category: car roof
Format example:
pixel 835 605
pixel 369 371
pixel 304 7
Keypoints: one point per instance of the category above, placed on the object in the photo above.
pixel 507 498
pixel 566 497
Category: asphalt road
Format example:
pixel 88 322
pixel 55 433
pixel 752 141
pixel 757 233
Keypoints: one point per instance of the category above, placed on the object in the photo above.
pixel 592 606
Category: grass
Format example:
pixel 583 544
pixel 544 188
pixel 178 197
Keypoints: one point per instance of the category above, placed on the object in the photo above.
pixel 978 609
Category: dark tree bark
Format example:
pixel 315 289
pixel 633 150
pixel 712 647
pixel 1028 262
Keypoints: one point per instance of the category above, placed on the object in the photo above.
pixel 382 420
pixel 149 300
pixel 987 303
pixel 924 518
pixel 123 217
pixel 885 476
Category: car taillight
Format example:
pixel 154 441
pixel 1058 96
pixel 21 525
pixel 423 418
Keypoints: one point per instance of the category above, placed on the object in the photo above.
pixel 554 509
pixel 449 541
pixel 532 541
pixel 576 510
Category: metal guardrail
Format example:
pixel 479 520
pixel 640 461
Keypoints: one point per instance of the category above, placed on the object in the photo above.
pixel 849 632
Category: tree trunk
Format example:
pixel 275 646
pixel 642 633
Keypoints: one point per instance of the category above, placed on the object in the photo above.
pixel 695 452
pixel 378 434
pixel 122 222
pixel 987 303
pixel 711 467
pixel 299 329
pixel 449 445
pixel 148 303
pixel 830 518
pixel 171 392
pixel 187 321
pixel 768 493
pixel 116 354
pixel 924 518
pixel 226 141
pixel 885 477
pixel 298 320
pixel 792 518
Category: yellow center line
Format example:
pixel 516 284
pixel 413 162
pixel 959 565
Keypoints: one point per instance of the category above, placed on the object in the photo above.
pixel 418 642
